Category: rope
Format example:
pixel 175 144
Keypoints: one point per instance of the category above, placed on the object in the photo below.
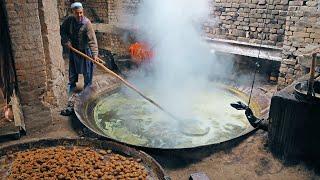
pixel 254 79
pixel 257 64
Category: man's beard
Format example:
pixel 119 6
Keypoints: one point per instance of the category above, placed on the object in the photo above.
pixel 79 19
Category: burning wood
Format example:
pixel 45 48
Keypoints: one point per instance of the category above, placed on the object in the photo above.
pixel 140 52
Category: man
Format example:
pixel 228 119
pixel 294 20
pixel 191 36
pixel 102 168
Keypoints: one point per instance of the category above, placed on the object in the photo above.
pixel 77 31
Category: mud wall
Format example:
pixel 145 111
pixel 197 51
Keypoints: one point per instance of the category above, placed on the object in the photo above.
pixel 34 32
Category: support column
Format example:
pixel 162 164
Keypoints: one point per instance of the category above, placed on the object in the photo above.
pixel 38 59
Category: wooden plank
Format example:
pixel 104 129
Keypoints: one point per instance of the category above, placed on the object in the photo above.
pixel 17 111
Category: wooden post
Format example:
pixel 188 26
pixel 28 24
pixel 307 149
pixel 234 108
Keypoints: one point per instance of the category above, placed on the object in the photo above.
pixel 311 79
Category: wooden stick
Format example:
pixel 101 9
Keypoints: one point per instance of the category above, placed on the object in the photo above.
pixel 100 63
pixel 312 72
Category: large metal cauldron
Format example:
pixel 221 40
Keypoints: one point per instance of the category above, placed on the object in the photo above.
pixel 86 102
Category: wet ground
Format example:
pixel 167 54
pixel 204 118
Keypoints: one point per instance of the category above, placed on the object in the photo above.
pixel 247 159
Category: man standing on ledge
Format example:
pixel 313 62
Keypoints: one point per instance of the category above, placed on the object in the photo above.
pixel 77 31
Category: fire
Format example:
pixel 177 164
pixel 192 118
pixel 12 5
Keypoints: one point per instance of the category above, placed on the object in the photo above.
pixel 140 52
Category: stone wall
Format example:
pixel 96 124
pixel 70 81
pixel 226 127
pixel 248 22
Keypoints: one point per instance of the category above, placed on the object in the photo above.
pixel 34 44
pixel 248 21
pixel 302 34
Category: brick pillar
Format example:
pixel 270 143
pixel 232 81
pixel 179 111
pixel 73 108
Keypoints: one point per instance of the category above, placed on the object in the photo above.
pixel 50 26
pixel 37 59
pixel 302 34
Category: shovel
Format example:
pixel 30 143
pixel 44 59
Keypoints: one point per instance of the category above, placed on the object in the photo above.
pixel 186 128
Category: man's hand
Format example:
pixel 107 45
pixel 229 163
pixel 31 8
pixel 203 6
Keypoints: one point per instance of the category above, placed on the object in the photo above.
pixel 68 44
pixel 95 58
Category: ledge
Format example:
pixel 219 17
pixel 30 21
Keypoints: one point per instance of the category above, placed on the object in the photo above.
pixel 245 49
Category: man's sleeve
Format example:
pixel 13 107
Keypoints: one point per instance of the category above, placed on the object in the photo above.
pixel 92 39
pixel 64 31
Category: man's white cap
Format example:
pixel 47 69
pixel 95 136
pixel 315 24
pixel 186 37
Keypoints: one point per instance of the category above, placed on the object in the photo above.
pixel 76 5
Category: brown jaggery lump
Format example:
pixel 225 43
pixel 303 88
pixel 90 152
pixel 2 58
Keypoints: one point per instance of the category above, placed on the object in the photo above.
pixel 74 163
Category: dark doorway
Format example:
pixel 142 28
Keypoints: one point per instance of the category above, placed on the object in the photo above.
pixel 7 69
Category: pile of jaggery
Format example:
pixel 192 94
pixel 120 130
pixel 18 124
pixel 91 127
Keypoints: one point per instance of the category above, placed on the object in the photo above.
pixel 74 163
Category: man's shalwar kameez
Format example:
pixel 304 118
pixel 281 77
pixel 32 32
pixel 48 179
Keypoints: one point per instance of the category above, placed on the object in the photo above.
pixel 82 37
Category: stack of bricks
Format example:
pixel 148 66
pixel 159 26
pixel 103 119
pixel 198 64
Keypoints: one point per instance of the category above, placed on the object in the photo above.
pixel 249 21
pixel 302 34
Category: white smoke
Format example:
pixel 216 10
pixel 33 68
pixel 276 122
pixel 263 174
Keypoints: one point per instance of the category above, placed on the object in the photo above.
pixel 183 61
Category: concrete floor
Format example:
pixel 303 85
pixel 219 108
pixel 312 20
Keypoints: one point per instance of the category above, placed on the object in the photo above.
pixel 246 159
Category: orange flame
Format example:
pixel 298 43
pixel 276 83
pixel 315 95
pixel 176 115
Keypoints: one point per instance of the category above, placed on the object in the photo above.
pixel 140 52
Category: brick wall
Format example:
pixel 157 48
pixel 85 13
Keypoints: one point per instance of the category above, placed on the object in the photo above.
pixel 289 24
pixel 29 51
pixel 97 10
pixel 107 12
pixel 302 34
pixel 124 8
pixel 62 6
pixel 248 21
pixel 101 11
pixel 50 28
pixel 113 42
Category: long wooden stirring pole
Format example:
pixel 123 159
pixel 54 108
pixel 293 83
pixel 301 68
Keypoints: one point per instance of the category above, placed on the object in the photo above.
pixel 100 64
pixel 186 127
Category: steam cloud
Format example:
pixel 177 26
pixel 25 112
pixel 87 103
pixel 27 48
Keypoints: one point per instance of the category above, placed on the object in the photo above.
pixel 183 61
